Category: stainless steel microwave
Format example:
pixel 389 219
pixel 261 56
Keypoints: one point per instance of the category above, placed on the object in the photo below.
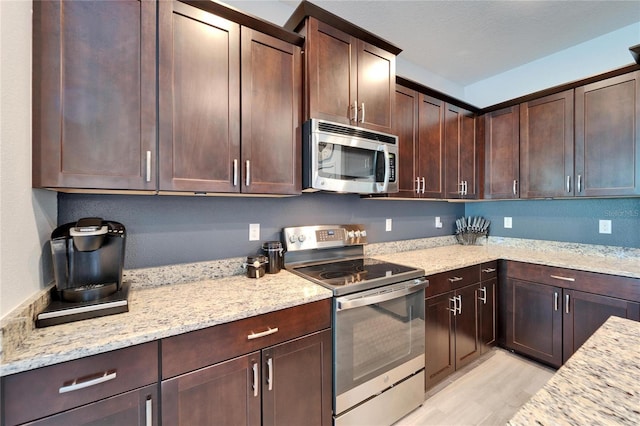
pixel 342 158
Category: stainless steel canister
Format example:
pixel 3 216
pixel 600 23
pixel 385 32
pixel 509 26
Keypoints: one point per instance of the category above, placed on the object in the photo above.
pixel 256 266
pixel 274 252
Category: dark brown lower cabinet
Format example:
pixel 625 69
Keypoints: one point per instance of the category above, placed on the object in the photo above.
pixel 138 407
pixel 284 384
pixel 550 312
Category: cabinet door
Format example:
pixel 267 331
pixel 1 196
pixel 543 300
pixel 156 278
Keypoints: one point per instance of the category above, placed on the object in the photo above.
pixel 466 325
pixel 460 153
pixel 534 320
pixel 94 119
pixel 331 73
pixel 608 137
pixel 439 338
pixel 296 384
pixel 546 146
pixel 405 126
pixel 376 87
pixel 431 148
pixel 584 313
pixel 487 312
pixel 199 100
pixel 502 156
pixel 139 407
pixel 271 115
pixel 222 394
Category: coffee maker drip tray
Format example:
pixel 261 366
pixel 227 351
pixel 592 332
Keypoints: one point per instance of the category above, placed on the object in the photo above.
pixel 64 311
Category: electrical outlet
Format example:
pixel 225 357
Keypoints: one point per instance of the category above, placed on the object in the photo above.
pixel 388 225
pixel 605 226
pixel 507 222
pixel 438 222
pixel 254 232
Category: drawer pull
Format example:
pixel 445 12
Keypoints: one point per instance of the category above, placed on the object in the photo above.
pixel 489 270
pixel 262 333
pixel 557 277
pixel 455 279
pixel 75 385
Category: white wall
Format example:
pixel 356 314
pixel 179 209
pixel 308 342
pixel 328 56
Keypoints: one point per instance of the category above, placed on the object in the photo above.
pixel 27 216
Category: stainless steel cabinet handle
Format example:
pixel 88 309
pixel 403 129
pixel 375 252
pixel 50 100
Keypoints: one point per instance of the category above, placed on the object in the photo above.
pixel 362 118
pixel 489 270
pixel 568 184
pixel 417 185
pixel 558 277
pixel 579 188
pixel 455 279
pixel 424 185
pixel 148 163
pixel 262 333
pixel 455 305
pixel 148 412
pixel 466 188
pixel 75 385
pixel 555 301
pixel 566 304
pixel 270 373
pixel 235 172
pixel 459 305
pixel 255 379
pixel 248 177
pixel 515 187
pixel 461 185
pixel 355 111
pixel 483 298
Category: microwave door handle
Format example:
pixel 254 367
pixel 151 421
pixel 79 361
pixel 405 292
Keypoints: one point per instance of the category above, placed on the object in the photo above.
pixel 344 303
pixel 387 169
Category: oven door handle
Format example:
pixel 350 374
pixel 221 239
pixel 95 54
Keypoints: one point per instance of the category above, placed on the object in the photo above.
pixel 348 302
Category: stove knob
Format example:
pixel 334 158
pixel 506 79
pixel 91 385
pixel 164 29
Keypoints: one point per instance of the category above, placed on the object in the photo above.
pixel 301 238
pixel 351 234
pixel 292 239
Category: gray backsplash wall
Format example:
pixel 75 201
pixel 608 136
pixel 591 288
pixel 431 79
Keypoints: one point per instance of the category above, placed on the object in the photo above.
pixel 164 230
pixel 569 220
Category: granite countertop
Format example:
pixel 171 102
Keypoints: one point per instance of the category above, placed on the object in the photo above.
pixel 598 385
pixel 170 300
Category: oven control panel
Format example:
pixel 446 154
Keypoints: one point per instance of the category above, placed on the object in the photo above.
pixel 324 236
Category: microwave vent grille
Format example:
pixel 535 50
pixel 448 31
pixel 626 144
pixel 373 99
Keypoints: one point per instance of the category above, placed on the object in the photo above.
pixel 360 133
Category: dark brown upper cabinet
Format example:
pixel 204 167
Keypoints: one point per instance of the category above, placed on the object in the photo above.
pixel 607 137
pixel 546 147
pixel 230 106
pixel 419 125
pixel 502 153
pixel 94 95
pixel 350 73
pixel 460 153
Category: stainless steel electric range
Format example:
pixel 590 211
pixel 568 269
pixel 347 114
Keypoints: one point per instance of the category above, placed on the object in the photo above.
pixel 378 322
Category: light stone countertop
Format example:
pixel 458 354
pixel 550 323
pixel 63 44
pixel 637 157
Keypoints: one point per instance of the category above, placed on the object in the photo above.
pixel 170 300
pixel 598 385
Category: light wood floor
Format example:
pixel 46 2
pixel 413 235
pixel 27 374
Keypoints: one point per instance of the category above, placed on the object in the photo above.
pixel 487 392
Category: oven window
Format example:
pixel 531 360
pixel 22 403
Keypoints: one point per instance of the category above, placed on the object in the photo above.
pixel 347 163
pixel 373 339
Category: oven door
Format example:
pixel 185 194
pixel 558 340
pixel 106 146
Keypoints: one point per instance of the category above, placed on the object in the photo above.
pixel 378 340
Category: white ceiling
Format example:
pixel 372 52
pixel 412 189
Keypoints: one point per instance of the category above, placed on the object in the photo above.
pixel 468 41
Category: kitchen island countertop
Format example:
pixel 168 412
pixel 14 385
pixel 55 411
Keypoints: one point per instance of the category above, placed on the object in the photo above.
pixel 597 385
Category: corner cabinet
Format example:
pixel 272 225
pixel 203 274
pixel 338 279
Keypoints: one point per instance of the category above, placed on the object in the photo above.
pixel 270 369
pixel 94 95
pixel 550 312
pixel 118 387
pixel 230 106
pixel 419 125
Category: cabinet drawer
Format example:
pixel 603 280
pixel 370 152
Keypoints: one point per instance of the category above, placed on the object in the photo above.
pixel 451 280
pixel 488 270
pixel 591 282
pixel 48 390
pixel 197 349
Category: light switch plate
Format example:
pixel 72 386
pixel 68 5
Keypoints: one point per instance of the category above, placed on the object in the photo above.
pixel 254 232
pixel 507 222
pixel 388 225
pixel 604 226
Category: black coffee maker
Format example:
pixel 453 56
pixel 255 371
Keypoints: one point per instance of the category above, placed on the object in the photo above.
pixel 88 259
